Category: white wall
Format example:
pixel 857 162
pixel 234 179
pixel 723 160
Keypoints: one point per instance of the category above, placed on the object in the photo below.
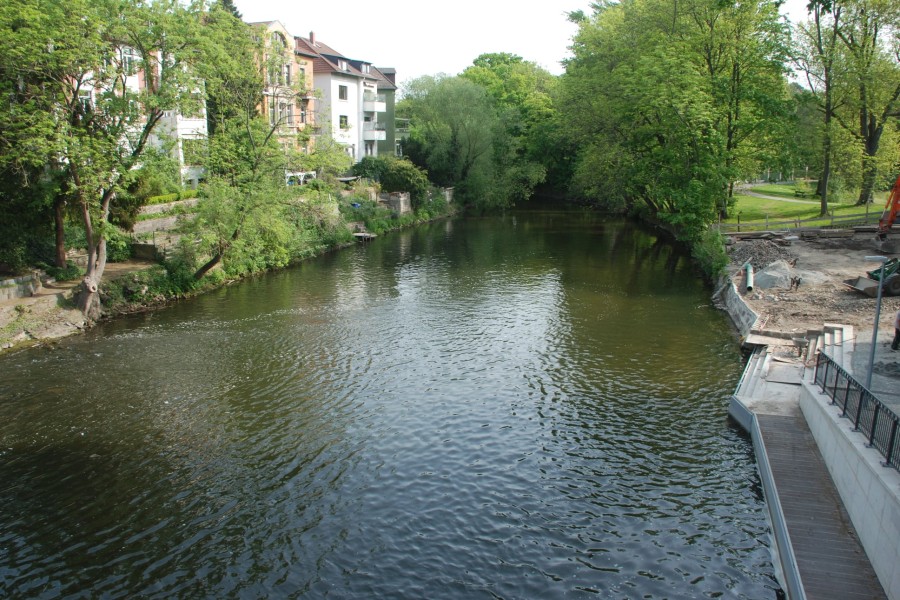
pixel 870 491
pixel 331 107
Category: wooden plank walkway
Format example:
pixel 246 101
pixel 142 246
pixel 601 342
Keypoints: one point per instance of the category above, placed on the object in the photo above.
pixel 832 563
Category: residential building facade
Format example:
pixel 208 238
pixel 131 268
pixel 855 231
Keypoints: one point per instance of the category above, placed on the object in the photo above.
pixel 352 105
pixel 288 99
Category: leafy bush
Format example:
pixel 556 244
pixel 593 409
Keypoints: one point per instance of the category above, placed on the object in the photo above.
pixel 317 185
pixel 68 273
pixel 709 252
pixel 371 167
pixel 166 198
pixel 118 245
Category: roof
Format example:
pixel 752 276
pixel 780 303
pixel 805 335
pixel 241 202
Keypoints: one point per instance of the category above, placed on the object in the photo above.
pixel 386 78
pixel 326 60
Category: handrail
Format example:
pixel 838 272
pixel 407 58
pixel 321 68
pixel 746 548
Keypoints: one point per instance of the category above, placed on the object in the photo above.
pixel 870 416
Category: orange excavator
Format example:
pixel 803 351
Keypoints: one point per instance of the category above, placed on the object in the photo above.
pixel 891 211
pixel 890 270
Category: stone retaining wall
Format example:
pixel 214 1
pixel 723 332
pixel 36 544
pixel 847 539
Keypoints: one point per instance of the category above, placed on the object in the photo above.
pixel 20 287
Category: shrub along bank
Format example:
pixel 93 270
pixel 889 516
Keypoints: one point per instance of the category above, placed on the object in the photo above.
pixel 306 227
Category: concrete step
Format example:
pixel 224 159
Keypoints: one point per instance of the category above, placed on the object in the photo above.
pixel 756 378
pixel 751 372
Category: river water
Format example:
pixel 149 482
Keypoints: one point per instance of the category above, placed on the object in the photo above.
pixel 524 406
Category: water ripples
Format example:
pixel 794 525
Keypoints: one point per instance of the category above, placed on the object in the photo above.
pixel 419 417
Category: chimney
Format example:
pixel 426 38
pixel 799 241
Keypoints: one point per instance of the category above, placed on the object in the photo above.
pixel 312 38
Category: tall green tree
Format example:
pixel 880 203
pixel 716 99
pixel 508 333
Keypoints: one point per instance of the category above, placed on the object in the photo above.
pixel 670 103
pixel 522 93
pixel 819 61
pixel 871 40
pixel 110 71
pixel 453 125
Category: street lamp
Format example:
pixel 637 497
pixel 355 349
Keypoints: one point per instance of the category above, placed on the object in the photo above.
pixel 882 260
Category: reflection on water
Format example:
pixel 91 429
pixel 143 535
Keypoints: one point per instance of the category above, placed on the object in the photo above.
pixel 526 406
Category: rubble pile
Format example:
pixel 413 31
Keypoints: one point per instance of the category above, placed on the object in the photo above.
pixel 760 253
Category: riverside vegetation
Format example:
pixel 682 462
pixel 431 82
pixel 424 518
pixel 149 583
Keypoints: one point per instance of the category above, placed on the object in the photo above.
pixel 660 112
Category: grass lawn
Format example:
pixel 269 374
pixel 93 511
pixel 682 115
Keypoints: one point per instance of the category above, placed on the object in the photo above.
pixel 752 208
pixel 779 189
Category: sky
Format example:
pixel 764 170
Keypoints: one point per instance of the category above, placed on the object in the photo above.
pixel 426 38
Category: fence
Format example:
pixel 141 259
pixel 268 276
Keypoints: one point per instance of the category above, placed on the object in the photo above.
pixel 814 222
pixel 870 416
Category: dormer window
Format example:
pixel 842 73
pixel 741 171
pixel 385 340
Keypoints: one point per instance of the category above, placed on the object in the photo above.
pixel 365 68
pixel 342 65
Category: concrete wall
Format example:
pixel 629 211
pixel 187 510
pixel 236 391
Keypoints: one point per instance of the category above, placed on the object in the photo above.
pixel 870 491
pixel 398 201
pixel 741 315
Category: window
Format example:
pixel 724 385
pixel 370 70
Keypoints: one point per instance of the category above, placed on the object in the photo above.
pixel 344 121
pixel 272 116
pixel 129 61
pixel 342 65
pixel 366 68
pixel 85 99
pixel 342 92
pixel 286 113
pixel 287 74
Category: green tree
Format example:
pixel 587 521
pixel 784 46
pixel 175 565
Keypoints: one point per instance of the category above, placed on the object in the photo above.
pixel 89 110
pixel 818 58
pixel 523 98
pixel 230 7
pixel 872 50
pixel 453 125
pixel 669 104
pixel 240 220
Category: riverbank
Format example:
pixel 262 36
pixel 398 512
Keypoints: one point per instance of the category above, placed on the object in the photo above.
pixel 50 313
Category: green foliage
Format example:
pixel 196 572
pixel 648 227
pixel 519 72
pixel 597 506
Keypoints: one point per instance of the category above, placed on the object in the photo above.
pixel 319 185
pixel 68 273
pixel 668 108
pixel 452 129
pixel 403 176
pixel 395 175
pixel 371 167
pixel 709 253
pixel 327 159
pixel 118 245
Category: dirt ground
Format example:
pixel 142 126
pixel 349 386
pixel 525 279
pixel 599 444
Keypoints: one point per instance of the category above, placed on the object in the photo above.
pixel 50 312
pixel 822 264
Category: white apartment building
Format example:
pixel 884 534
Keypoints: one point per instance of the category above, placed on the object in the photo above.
pixel 350 105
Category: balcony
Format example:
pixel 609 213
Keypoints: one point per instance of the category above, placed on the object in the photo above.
pixel 374 103
pixel 374 132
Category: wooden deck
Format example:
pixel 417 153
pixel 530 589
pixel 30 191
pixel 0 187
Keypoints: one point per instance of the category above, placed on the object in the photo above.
pixel 830 559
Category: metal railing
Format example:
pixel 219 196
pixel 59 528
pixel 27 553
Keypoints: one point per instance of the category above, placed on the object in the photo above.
pixel 870 416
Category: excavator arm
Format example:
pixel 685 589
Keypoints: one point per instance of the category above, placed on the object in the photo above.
pixel 891 210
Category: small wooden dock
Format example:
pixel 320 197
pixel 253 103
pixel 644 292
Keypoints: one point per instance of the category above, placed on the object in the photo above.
pixel 364 236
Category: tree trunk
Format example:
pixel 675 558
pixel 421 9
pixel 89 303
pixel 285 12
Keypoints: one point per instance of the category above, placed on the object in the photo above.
pixel 209 266
pixel 59 223
pixel 89 295
pixel 869 164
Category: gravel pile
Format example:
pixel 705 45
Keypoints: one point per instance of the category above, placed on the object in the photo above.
pixel 760 253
